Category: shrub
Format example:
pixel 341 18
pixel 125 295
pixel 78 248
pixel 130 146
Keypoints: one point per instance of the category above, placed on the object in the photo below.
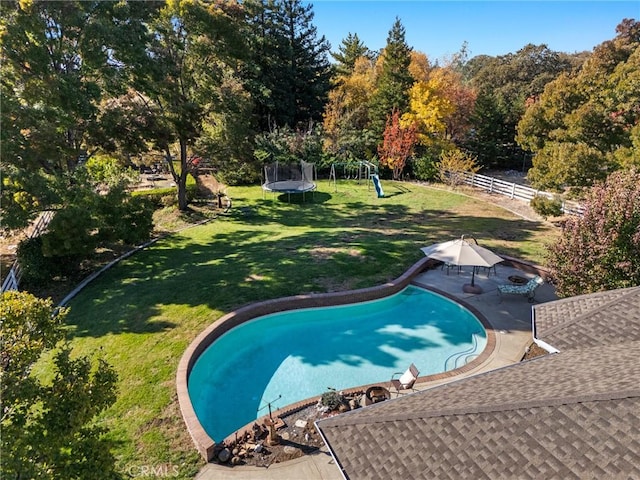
pixel 601 249
pixel 453 164
pixel 70 232
pixel 125 218
pixel 38 269
pixel 156 196
pixel 424 168
pixel 331 399
pixel 50 428
pixel 545 206
pixel 162 197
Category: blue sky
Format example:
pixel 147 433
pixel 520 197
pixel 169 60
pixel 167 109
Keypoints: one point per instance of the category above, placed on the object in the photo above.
pixel 439 28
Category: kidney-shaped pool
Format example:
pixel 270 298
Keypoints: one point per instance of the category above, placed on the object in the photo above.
pixel 282 358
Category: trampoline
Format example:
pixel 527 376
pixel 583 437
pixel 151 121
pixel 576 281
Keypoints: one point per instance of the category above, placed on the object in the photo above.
pixel 289 178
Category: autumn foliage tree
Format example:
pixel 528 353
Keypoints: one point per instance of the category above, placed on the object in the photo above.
pixel 586 124
pixel 397 144
pixel 601 249
pixel 346 115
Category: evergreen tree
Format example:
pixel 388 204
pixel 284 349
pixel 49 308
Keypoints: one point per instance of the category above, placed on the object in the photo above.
pixel 394 82
pixel 351 49
pixel 291 70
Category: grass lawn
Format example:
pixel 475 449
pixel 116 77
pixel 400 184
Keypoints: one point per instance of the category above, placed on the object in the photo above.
pixel 144 312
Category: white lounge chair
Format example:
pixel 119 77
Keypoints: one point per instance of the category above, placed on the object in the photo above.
pixel 406 381
pixel 528 289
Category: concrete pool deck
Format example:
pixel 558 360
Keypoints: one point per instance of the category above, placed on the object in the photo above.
pixel 510 318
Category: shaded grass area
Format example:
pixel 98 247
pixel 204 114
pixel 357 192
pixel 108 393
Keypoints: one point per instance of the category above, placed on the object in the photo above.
pixel 144 312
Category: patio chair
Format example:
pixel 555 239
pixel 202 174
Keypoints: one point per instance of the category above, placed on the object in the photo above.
pixel 449 266
pixel 406 380
pixel 528 289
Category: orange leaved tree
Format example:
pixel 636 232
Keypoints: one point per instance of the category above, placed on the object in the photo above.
pixel 397 144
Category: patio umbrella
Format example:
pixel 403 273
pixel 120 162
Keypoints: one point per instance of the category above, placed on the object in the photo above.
pixel 463 253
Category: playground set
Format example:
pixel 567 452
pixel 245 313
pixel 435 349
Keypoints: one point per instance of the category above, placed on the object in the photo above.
pixel 361 170
pixel 294 178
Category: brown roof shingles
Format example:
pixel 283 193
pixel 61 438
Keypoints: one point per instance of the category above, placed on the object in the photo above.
pixel 538 442
pixel 600 318
pixel 575 414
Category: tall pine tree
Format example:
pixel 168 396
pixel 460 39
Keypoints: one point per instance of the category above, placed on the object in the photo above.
pixel 291 70
pixel 349 51
pixel 394 82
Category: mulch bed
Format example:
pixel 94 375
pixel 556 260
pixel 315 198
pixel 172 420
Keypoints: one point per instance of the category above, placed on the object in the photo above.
pixel 297 436
pixel 534 351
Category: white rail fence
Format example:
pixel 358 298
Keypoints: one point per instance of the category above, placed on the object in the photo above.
pixel 515 191
pixel 12 280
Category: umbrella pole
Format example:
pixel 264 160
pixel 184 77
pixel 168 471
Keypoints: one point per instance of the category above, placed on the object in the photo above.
pixel 472 288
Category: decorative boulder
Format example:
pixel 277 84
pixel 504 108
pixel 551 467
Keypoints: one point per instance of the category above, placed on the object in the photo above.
pixel 224 455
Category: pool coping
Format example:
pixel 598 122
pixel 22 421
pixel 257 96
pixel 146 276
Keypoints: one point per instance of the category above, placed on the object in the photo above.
pixel 206 445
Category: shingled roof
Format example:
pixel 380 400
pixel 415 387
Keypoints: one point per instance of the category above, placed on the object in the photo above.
pixel 604 318
pixel 574 414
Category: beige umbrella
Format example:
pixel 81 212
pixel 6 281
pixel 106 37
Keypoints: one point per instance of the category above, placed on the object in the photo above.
pixel 463 253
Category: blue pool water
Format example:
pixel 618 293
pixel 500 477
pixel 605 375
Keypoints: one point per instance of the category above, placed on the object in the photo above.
pixel 298 354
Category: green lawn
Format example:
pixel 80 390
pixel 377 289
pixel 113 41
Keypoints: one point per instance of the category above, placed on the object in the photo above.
pixel 144 312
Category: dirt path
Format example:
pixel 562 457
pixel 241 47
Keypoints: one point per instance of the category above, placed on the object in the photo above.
pixel 518 207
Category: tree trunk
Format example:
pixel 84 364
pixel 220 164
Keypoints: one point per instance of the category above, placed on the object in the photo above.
pixel 183 202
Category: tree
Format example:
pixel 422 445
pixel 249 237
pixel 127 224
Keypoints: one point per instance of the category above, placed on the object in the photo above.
pixel 504 85
pixel 454 164
pixel 290 72
pixel 192 48
pixel 49 429
pixel 351 49
pixel 397 145
pixel 584 126
pixel 59 61
pixel 394 81
pixel 463 97
pixel 286 145
pixel 346 115
pixel 227 137
pixel 439 107
pixel 428 109
pixel 419 68
pixel 601 249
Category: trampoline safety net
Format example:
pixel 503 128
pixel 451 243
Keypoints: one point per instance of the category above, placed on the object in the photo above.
pixel 278 172
pixel 289 178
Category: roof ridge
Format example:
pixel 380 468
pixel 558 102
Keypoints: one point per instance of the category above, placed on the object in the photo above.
pixel 505 407
pixel 630 291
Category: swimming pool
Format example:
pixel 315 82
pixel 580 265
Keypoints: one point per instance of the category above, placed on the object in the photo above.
pixel 290 356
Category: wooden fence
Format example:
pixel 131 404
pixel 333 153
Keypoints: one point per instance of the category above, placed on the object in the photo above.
pixel 12 280
pixel 515 191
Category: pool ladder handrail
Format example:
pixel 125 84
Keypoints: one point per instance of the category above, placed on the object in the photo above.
pixel 467 354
